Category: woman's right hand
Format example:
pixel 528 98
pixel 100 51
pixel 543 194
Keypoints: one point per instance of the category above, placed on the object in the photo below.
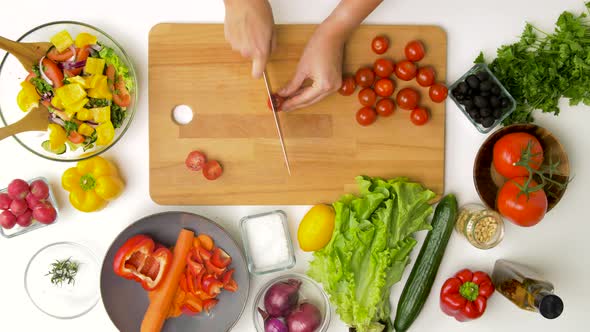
pixel 249 28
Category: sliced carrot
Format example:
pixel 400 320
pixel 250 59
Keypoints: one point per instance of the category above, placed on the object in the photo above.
pixel 196 242
pixel 164 295
pixel 206 241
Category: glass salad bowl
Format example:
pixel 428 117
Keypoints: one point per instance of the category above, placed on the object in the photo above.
pixel 12 74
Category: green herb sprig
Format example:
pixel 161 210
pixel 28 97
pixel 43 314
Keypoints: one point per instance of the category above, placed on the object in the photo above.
pixel 64 270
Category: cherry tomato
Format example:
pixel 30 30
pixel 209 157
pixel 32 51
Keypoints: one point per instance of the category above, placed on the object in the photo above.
pixel 195 160
pixel 365 77
pixel 276 100
pixel 517 207
pixel 419 116
pixel 384 87
pixel 508 151
pixel 414 51
pixel 53 72
pixel 56 56
pixel 407 98
pixel 380 44
pixel 383 67
pixel 405 70
pixel 425 76
pixel 385 107
pixel 212 170
pixel 75 137
pixel 81 55
pixel 365 116
pixel 367 97
pixel 438 93
pixel 348 86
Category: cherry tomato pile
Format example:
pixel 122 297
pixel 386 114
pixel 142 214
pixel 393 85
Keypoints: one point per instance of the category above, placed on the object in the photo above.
pixel 377 86
pixel 197 161
pixel 23 203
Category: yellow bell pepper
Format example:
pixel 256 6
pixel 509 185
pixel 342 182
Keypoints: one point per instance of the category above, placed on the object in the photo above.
pixel 85 114
pixel 101 88
pixel 27 98
pixel 84 38
pixel 92 80
pixel 101 114
pixel 92 184
pixel 78 80
pixel 105 133
pixel 70 93
pixel 57 136
pixel 56 102
pixel 85 129
pixel 77 106
pixel 94 66
pixel 62 40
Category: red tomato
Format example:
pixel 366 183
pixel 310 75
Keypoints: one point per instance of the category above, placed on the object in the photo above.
pixel 195 160
pixel 54 55
pixel 53 72
pixel 380 44
pixel 383 67
pixel 212 170
pixel 276 100
pixel 367 97
pixel 438 93
pixel 365 116
pixel 405 70
pixel 30 76
pixel 384 87
pixel 81 55
pixel 348 86
pixel 419 116
pixel 121 95
pixel 385 107
pixel 517 207
pixel 425 76
pixel 75 137
pixel 414 51
pixel 508 151
pixel 407 98
pixel 365 77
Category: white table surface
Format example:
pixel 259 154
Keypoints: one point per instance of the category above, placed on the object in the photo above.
pixel 556 246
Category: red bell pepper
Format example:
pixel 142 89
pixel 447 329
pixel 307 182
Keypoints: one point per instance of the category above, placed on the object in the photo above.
pixel 220 258
pixel 211 285
pixel 465 295
pixel 209 304
pixel 136 259
pixel 212 269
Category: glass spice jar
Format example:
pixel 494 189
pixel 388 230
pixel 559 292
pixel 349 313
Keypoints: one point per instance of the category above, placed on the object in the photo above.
pixel 483 228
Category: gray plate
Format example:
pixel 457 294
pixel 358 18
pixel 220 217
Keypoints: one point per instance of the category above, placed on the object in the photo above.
pixel 126 301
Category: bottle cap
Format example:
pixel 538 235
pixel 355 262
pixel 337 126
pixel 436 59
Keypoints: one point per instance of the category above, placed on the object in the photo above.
pixel 551 306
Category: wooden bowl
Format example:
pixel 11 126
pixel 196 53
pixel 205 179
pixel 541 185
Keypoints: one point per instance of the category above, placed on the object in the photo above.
pixel 488 181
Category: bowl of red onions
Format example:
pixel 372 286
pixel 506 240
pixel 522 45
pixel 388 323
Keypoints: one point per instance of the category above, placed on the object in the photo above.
pixel 291 303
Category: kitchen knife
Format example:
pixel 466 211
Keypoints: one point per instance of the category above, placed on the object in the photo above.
pixel 278 125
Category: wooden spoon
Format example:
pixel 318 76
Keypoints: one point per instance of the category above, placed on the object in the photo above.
pixel 36 119
pixel 28 54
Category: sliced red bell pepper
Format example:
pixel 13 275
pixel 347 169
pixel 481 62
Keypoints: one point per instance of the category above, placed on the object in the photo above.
pixel 220 258
pixel 209 304
pixel 227 276
pixel 465 295
pixel 212 269
pixel 204 296
pixel 204 254
pixel 193 304
pixel 183 283
pixel 231 286
pixel 211 285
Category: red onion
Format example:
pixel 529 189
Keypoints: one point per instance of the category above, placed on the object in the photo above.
pixel 73 57
pixel 282 297
pixel 306 318
pixel 272 324
pixel 71 65
pixel 96 47
pixel 42 72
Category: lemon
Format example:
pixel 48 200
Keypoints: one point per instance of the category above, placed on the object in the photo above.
pixel 316 228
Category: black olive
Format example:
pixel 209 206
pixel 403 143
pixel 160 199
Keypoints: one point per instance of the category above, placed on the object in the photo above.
pixel 487 122
pixel 494 101
pixel 484 93
pixel 477 119
pixel 462 88
pixel 472 81
pixel 497 113
pixel 485 86
pixel 483 75
pixel 480 101
pixel 495 90
pixel 468 103
pixel 504 102
pixel 485 112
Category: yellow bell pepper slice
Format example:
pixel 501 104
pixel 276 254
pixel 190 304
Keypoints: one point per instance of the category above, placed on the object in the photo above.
pixel 94 66
pixel 78 80
pixel 70 93
pixel 84 38
pixel 85 129
pixel 101 89
pixel 57 136
pixel 92 81
pixel 56 102
pixel 77 106
pixel 62 40
pixel 105 133
pixel 85 114
pixel 102 114
pixel 27 98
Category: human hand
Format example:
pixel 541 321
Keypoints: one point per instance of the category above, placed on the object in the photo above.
pixel 249 28
pixel 321 63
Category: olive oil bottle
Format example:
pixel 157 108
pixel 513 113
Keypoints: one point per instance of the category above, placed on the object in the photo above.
pixel 526 289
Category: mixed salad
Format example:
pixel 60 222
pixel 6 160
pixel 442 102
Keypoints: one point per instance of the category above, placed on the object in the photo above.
pixel 86 87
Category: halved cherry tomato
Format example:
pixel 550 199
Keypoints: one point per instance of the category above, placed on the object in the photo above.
pixel 53 72
pixel 367 97
pixel 231 286
pixel 214 270
pixel 380 44
pixel 348 86
pixel 425 76
pixel 212 170
pixel 364 77
pixel 384 87
pixel 385 107
pixel 366 116
pixel 220 258
pixel 75 137
pixel 195 160
pixel 419 116
pixel 405 70
pixel 206 241
pixel 407 98
pixel 438 92
pixel 211 285
pixel 383 67
pixel 414 51
pixel 82 54
pixel 56 56
pixel 209 304
pixel 277 101
pixel 227 276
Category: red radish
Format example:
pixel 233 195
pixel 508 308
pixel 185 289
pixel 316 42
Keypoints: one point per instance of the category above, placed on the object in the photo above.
pixel 39 189
pixel 44 213
pixel 25 219
pixel 7 219
pixel 33 201
pixel 18 207
pixel 18 189
pixel 5 201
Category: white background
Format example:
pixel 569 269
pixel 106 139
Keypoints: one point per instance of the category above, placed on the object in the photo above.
pixel 557 247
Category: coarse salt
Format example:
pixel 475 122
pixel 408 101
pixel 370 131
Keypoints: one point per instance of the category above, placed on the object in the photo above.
pixel 267 242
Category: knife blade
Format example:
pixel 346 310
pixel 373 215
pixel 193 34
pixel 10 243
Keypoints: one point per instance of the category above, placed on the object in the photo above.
pixel 277 123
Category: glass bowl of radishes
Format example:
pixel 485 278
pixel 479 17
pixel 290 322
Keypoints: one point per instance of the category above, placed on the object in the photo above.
pixel 26 206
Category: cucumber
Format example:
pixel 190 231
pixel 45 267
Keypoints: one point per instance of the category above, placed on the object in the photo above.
pixel 47 146
pixel 424 271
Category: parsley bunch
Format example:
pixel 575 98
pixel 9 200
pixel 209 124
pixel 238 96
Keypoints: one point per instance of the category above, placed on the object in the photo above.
pixel 543 67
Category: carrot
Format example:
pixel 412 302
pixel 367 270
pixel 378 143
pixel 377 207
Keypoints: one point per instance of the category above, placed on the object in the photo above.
pixel 164 295
pixel 206 241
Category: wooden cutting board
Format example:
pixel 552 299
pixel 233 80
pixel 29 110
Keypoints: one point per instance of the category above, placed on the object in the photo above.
pixel 192 64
